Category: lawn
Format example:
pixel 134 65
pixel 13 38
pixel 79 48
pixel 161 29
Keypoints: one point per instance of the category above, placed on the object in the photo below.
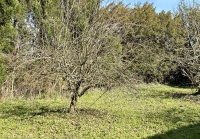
pixel 147 112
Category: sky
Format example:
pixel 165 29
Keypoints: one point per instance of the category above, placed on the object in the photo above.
pixel 167 5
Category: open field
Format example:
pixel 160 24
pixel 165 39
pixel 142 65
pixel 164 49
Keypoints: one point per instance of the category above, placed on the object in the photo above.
pixel 149 112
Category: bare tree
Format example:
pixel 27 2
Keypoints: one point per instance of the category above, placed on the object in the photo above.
pixel 92 56
pixel 72 41
pixel 188 58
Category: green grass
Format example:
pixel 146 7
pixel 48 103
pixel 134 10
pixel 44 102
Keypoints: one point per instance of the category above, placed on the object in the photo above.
pixel 148 111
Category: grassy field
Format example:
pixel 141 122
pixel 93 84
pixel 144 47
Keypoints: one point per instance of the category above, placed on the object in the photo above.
pixel 146 112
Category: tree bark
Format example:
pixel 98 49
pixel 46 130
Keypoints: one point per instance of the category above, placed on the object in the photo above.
pixel 74 98
pixel 85 90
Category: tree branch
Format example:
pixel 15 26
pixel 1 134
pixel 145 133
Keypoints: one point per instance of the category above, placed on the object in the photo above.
pixel 85 90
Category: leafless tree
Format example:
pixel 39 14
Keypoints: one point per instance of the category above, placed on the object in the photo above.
pixel 188 58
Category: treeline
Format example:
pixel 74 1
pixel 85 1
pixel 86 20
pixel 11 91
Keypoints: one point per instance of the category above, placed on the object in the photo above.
pixel 74 45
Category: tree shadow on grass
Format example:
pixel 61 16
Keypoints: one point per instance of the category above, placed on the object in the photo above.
pixel 178 95
pixel 23 111
pixel 80 111
pixel 191 97
pixel 92 112
pixel 195 97
pixel 177 116
pixel 185 132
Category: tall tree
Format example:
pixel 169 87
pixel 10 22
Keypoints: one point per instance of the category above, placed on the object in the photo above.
pixel 145 36
pixel 188 58
pixel 148 38
pixel 10 13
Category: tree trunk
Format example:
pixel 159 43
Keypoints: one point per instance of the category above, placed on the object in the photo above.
pixel 73 102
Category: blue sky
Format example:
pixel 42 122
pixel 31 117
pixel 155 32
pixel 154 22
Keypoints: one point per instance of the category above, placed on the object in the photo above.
pixel 160 5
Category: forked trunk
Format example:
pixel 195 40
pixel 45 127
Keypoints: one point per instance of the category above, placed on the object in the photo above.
pixel 72 107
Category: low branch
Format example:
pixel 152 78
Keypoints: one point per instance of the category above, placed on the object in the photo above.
pixel 85 90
